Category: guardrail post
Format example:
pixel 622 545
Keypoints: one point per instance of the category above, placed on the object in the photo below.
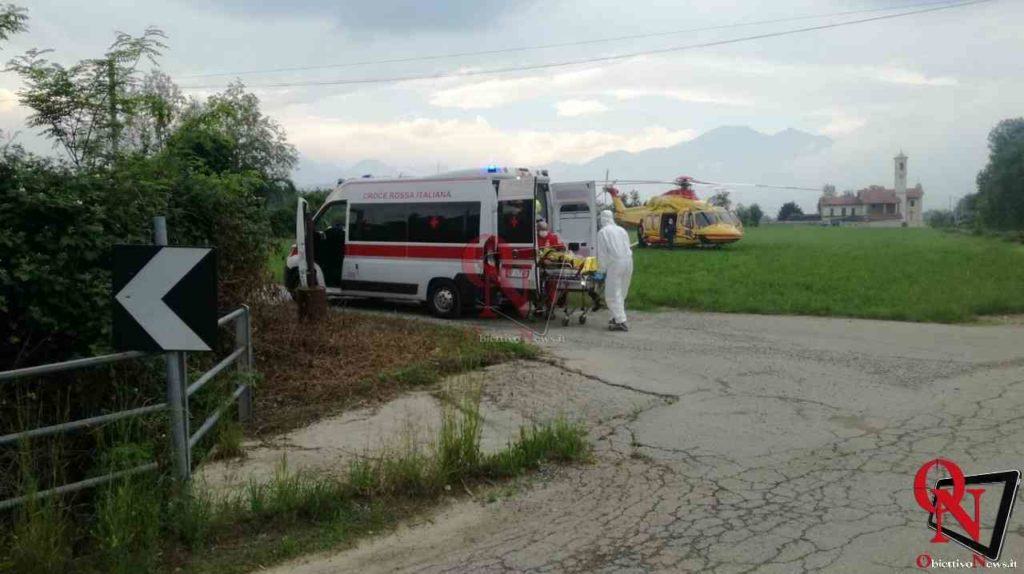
pixel 177 401
pixel 243 336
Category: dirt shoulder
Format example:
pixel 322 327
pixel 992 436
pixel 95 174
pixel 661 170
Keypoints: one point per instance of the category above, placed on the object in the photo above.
pixel 353 360
pixel 514 394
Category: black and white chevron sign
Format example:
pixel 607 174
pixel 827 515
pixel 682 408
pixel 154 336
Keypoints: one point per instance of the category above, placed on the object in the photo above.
pixel 165 298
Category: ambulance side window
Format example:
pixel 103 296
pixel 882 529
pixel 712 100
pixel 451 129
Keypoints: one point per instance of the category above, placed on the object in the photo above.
pixel 542 201
pixel 379 222
pixel 515 221
pixel 336 215
pixel 450 222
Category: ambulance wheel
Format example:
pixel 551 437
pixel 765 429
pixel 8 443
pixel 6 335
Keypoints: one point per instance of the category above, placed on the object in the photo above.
pixel 444 300
pixel 640 239
pixel 565 321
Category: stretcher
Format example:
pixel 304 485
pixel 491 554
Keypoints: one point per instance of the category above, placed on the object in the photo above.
pixel 563 273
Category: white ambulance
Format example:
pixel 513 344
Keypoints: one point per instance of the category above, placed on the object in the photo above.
pixel 430 239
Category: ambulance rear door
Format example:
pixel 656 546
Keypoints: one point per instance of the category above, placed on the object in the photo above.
pixel 574 205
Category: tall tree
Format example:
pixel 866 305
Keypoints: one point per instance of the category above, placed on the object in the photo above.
pixel 632 199
pixel 1001 183
pixel 721 199
pixel 84 107
pixel 13 19
pixel 259 143
pixel 754 215
pixel 966 210
pixel 157 108
pixel 749 216
pixel 788 210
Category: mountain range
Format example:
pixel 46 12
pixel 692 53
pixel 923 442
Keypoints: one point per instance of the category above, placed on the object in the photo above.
pixel 728 154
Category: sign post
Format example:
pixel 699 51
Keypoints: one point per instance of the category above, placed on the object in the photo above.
pixel 165 300
pixel 176 374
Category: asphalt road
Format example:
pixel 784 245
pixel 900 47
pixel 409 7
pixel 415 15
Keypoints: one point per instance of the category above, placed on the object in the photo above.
pixel 764 444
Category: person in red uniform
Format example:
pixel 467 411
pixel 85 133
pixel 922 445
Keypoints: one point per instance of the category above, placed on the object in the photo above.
pixel 548 239
pixel 545 237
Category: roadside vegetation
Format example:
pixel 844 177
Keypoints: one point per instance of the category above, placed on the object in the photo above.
pixel 350 359
pixel 899 274
pixel 139 525
pixel 131 146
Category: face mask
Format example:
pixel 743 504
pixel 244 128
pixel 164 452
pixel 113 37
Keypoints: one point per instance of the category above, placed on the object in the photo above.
pixel 543 234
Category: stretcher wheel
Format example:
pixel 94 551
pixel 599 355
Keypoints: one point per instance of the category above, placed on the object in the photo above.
pixel 565 321
pixel 583 319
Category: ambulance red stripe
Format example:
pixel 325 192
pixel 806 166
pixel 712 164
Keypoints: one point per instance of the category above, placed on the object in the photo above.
pixel 404 251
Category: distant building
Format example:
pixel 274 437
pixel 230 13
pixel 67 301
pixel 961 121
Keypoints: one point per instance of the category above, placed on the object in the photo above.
pixel 877 206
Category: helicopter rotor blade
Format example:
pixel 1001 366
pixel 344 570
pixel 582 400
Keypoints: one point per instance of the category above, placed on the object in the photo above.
pixel 762 185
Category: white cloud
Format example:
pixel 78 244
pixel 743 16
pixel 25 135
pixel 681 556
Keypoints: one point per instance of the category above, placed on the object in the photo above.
pixel 755 68
pixel 840 122
pixel 682 95
pixel 902 76
pixel 574 107
pixel 491 93
pixel 487 94
pixel 583 85
pixel 464 142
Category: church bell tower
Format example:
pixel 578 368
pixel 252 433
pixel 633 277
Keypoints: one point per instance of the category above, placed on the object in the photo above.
pixel 900 186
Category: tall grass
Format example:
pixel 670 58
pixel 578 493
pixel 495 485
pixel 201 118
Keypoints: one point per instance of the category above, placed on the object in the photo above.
pixel 139 525
pixel 458 440
pixel 40 540
pixel 558 441
pixel 128 525
pixel 901 274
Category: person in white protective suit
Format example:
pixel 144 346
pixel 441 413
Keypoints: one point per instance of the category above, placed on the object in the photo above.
pixel 615 259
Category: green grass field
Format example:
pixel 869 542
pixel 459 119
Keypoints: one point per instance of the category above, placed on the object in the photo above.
pixel 276 257
pixel 901 274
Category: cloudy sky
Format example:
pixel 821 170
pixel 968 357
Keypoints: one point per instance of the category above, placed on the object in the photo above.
pixel 932 84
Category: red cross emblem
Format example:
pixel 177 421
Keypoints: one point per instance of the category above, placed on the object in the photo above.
pixel 434 222
pixel 514 222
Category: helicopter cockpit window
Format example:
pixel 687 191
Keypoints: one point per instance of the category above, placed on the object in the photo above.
pixel 705 219
pixel 726 216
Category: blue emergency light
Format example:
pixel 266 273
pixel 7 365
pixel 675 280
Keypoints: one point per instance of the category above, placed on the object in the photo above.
pixel 492 169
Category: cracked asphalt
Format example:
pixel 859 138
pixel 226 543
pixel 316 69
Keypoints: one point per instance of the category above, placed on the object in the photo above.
pixel 740 444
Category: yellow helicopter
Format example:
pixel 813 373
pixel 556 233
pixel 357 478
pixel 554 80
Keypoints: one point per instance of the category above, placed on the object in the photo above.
pixel 678 218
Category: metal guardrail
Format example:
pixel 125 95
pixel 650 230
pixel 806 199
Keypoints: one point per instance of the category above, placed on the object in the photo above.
pixel 177 389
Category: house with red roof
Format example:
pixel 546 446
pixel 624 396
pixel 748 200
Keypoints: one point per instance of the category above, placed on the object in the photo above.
pixel 877 206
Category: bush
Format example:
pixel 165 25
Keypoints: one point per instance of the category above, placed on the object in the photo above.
pixel 57 227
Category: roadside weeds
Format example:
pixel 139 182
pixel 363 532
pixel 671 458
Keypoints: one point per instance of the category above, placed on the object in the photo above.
pixel 141 525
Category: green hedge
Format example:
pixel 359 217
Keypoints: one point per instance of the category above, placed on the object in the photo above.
pixel 57 227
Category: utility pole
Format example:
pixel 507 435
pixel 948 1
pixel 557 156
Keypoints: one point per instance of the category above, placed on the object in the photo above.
pixel 115 128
